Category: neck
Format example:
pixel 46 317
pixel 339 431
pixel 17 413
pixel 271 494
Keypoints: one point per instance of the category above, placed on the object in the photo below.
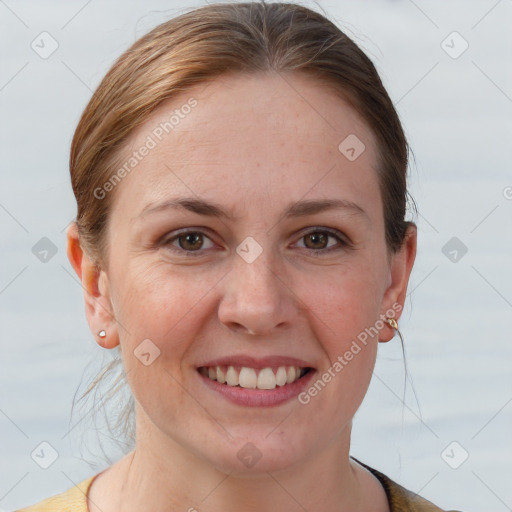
pixel 163 476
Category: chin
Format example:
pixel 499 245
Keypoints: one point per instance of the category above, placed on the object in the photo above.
pixel 253 455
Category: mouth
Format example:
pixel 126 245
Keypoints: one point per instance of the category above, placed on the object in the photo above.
pixel 267 378
pixel 248 381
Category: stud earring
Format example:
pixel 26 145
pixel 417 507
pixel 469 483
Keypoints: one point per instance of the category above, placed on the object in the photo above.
pixel 102 334
pixel 393 324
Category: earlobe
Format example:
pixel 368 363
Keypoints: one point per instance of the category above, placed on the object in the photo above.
pixel 400 271
pixel 96 287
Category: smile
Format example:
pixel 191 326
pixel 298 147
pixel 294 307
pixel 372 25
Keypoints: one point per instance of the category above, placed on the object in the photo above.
pixel 254 378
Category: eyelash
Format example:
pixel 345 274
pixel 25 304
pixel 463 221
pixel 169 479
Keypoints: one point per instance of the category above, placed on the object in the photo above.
pixel 343 242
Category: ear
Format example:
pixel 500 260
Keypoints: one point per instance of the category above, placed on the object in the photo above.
pixel 95 283
pixel 400 270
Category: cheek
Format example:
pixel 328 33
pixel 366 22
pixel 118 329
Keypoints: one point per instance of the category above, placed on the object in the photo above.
pixel 349 343
pixel 148 314
pixel 346 301
pixel 160 313
pixel 155 303
pixel 345 310
pixel 156 322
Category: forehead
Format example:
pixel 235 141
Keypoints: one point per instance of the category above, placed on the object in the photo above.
pixel 245 136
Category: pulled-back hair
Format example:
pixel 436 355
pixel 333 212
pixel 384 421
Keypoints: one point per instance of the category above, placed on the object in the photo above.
pixel 203 44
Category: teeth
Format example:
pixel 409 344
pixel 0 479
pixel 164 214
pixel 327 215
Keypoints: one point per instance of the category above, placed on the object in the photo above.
pixel 266 379
pixel 247 378
pixel 250 378
pixel 281 376
pixel 221 376
pixel 232 377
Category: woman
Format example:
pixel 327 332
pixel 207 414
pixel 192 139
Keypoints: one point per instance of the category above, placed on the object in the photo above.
pixel 240 175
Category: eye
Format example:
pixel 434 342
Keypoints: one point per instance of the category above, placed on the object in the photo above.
pixel 323 240
pixel 195 241
pixel 189 241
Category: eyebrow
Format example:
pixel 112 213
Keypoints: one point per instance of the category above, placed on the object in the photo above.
pixel 211 209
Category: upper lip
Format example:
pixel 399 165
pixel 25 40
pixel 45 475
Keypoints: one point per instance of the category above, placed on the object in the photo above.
pixel 257 363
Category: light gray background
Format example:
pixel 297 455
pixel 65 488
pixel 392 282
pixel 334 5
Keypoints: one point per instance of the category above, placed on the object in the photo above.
pixel 457 113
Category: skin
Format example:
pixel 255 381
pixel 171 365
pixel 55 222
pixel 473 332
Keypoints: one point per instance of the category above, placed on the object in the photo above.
pixel 254 146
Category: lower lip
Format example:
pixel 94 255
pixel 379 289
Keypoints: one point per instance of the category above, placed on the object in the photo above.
pixel 260 397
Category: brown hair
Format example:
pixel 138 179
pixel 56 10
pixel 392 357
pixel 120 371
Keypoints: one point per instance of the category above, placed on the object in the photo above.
pixel 204 43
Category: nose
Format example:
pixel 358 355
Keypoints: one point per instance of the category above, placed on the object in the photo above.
pixel 256 298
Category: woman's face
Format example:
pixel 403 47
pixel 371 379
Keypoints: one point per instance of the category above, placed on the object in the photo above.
pixel 244 236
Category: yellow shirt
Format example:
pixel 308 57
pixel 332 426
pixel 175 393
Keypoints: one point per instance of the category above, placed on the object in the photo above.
pixel 75 499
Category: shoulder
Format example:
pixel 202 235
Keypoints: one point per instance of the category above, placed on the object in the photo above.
pixel 73 499
pixel 400 499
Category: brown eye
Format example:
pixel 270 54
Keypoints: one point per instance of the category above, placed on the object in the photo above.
pixel 322 241
pixel 316 240
pixel 190 241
